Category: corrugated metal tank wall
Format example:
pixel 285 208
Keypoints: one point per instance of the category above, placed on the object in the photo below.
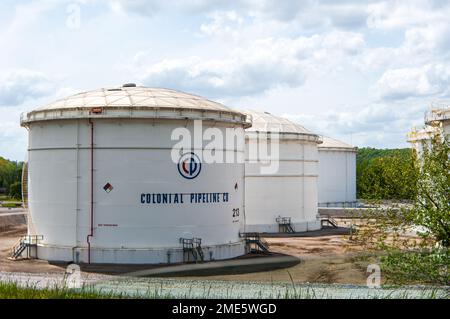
pixel 291 191
pixel 337 173
pixel 337 178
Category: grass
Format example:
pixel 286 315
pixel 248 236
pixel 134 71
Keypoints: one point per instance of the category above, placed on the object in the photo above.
pixel 5 198
pixel 11 205
pixel 11 290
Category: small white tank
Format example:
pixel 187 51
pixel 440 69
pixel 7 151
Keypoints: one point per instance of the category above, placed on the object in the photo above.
pixel 288 195
pixel 337 174
pixel 437 123
pixel 439 117
pixel 103 187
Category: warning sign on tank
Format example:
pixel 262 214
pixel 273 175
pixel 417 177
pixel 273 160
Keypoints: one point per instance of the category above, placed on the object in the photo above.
pixel 108 187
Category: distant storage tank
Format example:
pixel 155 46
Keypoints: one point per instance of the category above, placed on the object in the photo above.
pixel 421 138
pixel 103 187
pixel 289 194
pixel 437 123
pixel 439 117
pixel 337 174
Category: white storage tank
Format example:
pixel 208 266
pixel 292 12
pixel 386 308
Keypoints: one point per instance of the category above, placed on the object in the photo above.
pixel 437 123
pixel 439 117
pixel 337 174
pixel 421 138
pixel 103 187
pixel 289 194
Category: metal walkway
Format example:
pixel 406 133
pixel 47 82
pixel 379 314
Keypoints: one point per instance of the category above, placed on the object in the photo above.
pixel 255 243
pixel 192 247
pixel 25 243
pixel 284 225
pixel 328 222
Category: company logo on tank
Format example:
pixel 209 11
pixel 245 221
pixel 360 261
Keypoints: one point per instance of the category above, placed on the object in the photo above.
pixel 189 165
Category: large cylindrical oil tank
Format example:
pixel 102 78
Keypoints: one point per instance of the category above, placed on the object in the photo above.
pixel 337 174
pixel 110 181
pixel 281 173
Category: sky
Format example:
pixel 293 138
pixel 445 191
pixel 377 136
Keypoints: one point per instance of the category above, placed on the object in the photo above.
pixel 360 71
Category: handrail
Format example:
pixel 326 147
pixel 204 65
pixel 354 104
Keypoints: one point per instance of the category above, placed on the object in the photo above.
pixel 283 220
pixel 18 242
pixel 439 111
pixel 23 242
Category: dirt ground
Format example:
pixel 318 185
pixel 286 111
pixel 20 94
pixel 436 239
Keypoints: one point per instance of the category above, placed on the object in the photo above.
pixel 8 238
pixel 324 259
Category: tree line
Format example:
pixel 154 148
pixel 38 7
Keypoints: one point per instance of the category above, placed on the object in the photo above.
pixel 10 178
pixel 386 174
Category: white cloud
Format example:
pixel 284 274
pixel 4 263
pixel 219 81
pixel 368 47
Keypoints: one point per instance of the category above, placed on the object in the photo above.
pixel 240 75
pixel 20 85
pixel 433 38
pixel 388 15
pixel 309 14
pixel 376 125
pixel 259 67
pixel 13 139
pixel 320 59
pixel 279 10
pixel 143 7
pixel 222 22
pixel 429 80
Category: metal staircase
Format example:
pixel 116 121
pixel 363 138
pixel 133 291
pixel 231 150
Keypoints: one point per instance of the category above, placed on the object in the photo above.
pixel 284 225
pixel 255 243
pixel 192 247
pixel 25 243
pixel 328 222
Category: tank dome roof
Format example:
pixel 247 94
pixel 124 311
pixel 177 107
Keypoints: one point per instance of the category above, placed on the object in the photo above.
pixel 134 101
pixel 329 142
pixel 265 122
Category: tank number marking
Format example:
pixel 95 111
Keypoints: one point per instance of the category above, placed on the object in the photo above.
pixel 235 212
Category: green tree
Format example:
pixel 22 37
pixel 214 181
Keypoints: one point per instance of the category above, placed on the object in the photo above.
pixel 10 172
pixel 410 259
pixel 432 208
pixel 386 174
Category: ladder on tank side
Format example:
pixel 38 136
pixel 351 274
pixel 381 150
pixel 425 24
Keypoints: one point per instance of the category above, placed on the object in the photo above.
pixel 284 225
pixel 254 243
pixel 192 247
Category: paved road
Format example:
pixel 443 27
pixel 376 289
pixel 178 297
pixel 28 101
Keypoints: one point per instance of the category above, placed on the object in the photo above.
pixel 11 211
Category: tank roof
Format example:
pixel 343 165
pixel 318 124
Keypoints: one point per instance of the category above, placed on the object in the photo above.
pixel 267 122
pixel 333 143
pixel 134 101
pixel 439 112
